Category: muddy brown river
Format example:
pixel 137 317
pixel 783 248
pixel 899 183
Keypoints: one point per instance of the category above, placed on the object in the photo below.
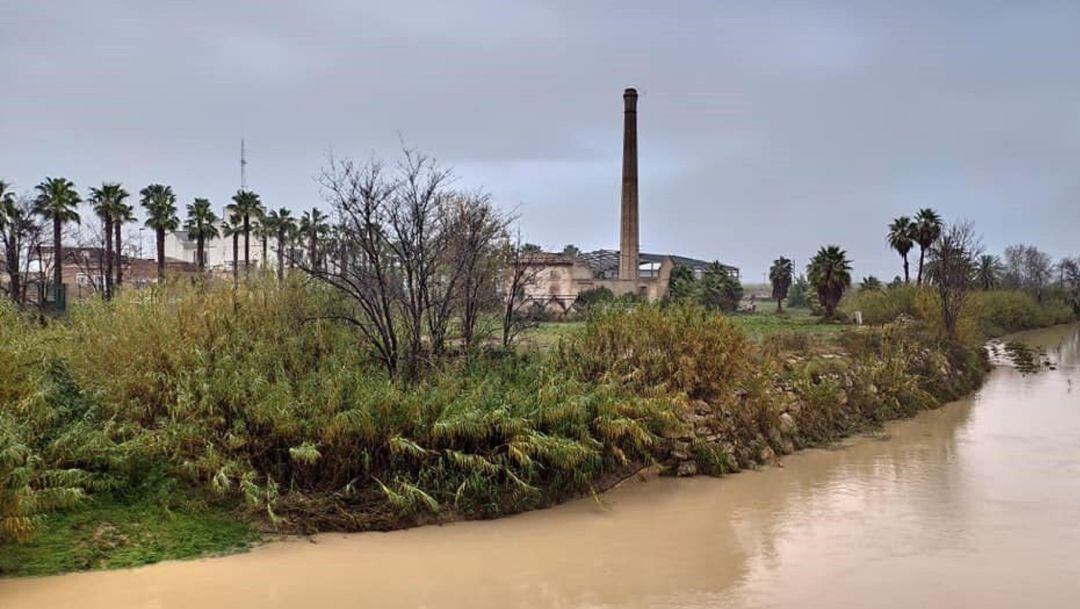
pixel 976 504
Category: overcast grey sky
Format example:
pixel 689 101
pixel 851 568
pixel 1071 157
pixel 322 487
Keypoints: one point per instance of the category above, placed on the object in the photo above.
pixel 765 128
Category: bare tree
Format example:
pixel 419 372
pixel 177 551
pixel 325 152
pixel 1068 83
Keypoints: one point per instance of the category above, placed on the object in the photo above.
pixel 418 241
pixel 479 236
pixel 20 235
pixel 951 269
pixel 90 255
pixel 410 254
pixel 520 274
pixel 360 196
pixel 1027 268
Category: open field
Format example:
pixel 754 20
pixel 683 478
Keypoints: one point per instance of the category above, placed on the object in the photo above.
pixel 765 323
pixel 756 325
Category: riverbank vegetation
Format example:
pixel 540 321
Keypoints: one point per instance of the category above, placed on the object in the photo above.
pixel 184 403
pixel 381 382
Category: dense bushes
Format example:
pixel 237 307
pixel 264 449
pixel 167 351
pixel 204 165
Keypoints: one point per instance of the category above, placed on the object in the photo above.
pixel 256 398
pixel 881 306
pixel 588 299
pixel 744 403
pixel 252 397
pixel 681 349
pixel 1000 312
pixel 48 435
pixel 717 289
pixel 991 313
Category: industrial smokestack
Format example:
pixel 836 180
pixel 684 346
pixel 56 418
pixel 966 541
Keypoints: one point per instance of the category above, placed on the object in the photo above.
pixel 628 237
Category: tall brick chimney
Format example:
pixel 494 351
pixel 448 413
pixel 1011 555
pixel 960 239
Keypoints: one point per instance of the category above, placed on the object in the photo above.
pixel 628 234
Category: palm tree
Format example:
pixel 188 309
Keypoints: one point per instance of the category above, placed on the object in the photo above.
pixel 10 226
pixel 104 201
pixel 7 202
pixel 870 284
pixel 246 205
pixel 313 225
pixel 234 227
pixel 160 204
pixel 900 232
pixel 122 213
pixel 925 231
pixel 281 223
pixel 264 231
pixel 57 201
pixel 780 275
pixel 829 272
pixel 988 271
pixel 201 221
pixel 292 235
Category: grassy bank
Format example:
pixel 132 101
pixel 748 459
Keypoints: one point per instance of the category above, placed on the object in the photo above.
pixel 112 533
pixel 172 423
pixel 758 326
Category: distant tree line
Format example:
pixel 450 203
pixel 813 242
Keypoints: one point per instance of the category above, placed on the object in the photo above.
pixel 951 261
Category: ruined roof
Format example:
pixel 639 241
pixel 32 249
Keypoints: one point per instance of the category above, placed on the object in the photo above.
pixel 547 258
pixel 607 261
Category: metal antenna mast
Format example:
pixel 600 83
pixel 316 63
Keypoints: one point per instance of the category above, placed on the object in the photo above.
pixel 243 166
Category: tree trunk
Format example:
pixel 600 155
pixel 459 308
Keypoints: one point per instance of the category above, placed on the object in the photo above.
pixel 236 260
pixel 922 255
pixel 468 315
pixel 907 275
pixel 779 304
pixel 58 256
pixel 281 255
pixel 247 246
pixel 159 235
pixel 264 239
pixel 14 280
pixel 200 254
pixel 108 257
pixel 119 256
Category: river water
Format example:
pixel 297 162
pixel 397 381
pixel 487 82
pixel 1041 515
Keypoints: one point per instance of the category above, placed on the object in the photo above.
pixel 974 504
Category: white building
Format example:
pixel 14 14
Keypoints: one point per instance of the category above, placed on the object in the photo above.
pixel 219 252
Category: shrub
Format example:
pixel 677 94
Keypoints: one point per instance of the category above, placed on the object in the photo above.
pixel 587 299
pixel 719 289
pixel 1004 311
pixel 799 296
pixel 253 397
pixel 881 306
pixel 44 432
pixel 682 348
pixel 682 285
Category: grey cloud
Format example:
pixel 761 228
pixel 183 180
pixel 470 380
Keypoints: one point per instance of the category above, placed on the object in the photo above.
pixel 765 128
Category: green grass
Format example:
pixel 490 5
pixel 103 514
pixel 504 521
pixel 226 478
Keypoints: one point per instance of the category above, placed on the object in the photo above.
pixel 107 534
pixel 756 325
pixel 765 323
pixel 547 334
